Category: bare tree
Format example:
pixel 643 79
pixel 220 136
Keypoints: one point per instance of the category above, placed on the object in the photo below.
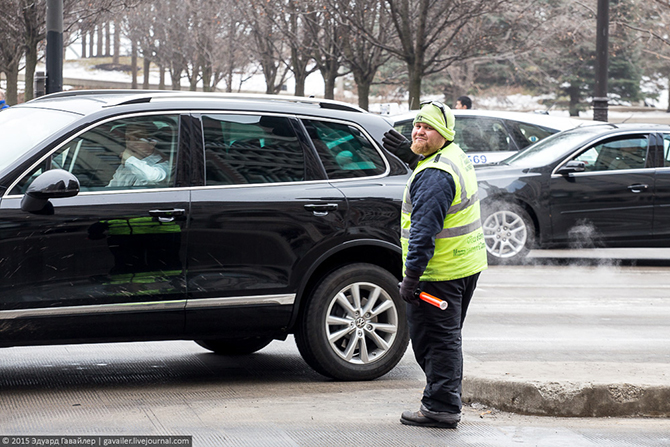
pixel 11 45
pixel 290 18
pixel 327 34
pixel 430 35
pixel 364 23
pixel 268 46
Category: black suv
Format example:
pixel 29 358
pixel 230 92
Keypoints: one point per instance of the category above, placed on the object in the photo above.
pixel 228 220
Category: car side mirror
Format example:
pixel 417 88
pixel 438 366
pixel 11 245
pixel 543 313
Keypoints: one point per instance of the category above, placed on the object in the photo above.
pixel 572 166
pixel 52 184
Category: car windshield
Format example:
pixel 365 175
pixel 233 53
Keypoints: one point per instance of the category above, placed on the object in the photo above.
pixel 22 128
pixel 545 151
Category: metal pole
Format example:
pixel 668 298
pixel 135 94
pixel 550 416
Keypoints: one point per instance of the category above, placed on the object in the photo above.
pixel 54 53
pixel 600 102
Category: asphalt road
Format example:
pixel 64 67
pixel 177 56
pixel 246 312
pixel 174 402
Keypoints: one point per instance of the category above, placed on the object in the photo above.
pixel 594 312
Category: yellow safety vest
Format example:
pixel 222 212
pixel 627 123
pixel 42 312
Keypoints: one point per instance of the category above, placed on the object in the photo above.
pixel 460 250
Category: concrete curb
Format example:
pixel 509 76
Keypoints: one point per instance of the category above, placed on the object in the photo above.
pixel 568 399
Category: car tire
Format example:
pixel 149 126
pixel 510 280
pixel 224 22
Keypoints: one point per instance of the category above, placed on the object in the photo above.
pixel 354 324
pixel 237 346
pixel 509 234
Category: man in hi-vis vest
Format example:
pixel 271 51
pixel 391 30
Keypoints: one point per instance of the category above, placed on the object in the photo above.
pixel 443 253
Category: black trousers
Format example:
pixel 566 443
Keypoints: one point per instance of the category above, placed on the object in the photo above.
pixel 436 341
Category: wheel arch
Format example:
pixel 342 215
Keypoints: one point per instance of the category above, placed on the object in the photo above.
pixel 380 253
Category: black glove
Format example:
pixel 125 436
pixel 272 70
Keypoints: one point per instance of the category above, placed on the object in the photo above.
pixel 408 286
pixel 398 145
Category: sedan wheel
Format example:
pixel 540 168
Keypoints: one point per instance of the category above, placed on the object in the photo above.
pixel 354 326
pixel 508 234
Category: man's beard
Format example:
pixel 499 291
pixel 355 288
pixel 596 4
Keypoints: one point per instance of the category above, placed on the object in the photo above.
pixel 423 148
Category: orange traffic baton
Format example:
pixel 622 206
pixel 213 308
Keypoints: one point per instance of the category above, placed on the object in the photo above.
pixel 430 299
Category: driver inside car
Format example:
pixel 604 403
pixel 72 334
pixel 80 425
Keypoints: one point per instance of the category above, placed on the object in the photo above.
pixel 141 163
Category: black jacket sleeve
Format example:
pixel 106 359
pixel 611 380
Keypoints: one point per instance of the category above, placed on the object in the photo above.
pixel 431 192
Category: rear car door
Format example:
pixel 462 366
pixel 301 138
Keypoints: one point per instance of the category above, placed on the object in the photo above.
pixel 612 199
pixel 262 213
pixel 108 263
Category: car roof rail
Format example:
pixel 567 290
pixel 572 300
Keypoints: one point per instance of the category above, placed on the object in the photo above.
pixel 140 96
pixel 102 92
pixel 323 103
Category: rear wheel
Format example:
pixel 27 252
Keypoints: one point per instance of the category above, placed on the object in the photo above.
pixel 354 326
pixel 235 346
pixel 509 234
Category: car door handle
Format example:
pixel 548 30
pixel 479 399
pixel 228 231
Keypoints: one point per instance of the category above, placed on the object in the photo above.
pixel 166 216
pixel 321 209
pixel 638 188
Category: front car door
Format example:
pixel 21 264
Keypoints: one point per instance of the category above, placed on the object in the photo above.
pixel 612 200
pixel 107 264
pixel 261 215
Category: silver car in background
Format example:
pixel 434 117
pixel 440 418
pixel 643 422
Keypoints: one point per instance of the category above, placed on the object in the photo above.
pixel 489 136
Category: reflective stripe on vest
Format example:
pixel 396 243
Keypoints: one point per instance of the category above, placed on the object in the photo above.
pixel 459 247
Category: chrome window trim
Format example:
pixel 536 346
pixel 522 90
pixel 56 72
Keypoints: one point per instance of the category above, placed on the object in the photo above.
pixel 364 132
pixel 387 166
pixel 73 136
pixel 209 112
pixel 152 306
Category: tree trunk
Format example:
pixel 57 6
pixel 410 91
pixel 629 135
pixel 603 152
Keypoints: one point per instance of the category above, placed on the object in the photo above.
pixel 207 78
pixel 363 88
pixel 133 64
pixel 83 45
pixel 161 77
pixel 573 108
pixel 414 88
pixel 300 84
pixel 91 43
pixel 31 63
pixel 117 43
pixel 146 68
pixel 11 94
pixel 108 40
pixel 100 41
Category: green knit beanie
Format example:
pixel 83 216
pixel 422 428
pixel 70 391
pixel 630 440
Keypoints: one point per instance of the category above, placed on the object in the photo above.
pixel 433 116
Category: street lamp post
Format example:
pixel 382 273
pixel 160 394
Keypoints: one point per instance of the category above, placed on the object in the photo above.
pixel 54 51
pixel 600 102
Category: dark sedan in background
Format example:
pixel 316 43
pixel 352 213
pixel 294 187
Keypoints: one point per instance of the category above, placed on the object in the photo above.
pixel 597 186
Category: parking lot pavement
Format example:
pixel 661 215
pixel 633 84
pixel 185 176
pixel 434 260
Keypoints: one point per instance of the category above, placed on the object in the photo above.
pixel 584 339
pixel 267 399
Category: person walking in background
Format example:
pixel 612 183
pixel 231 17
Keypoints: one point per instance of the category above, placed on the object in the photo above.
pixel 463 102
pixel 443 254
pixel 3 103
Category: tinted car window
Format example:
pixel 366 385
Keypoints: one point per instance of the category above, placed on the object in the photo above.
pixel 474 134
pixel 244 149
pixel 345 152
pixel 666 150
pixel 526 134
pixel 482 135
pixel 616 154
pixel 129 153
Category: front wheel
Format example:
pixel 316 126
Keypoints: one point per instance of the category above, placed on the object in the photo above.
pixel 508 233
pixel 354 325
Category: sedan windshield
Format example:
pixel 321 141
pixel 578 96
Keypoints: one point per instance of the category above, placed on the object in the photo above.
pixel 548 150
pixel 22 128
